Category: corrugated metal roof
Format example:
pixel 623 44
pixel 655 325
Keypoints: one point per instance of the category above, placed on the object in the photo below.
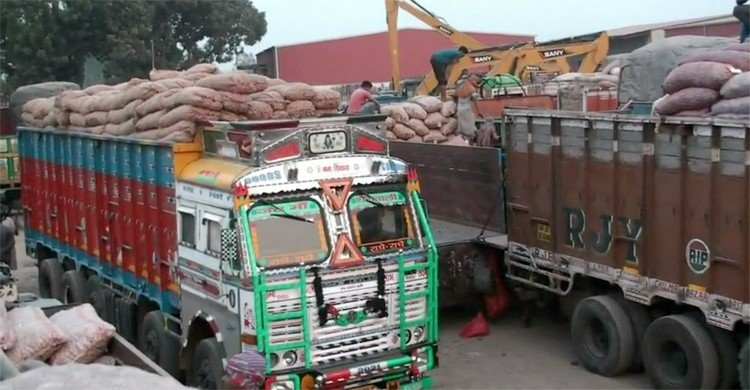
pixel 367 57
pixel 629 30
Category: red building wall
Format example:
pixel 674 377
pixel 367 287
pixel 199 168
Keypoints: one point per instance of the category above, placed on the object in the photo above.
pixel 367 57
pixel 730 29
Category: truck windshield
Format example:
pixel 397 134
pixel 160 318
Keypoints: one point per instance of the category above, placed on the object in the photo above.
pixel 381 221
pixel 285 233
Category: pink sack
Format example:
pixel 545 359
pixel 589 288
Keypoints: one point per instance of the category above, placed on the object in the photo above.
pixel 237 82
pixel 274 98
pixel 160 74
pixel 418 126
pixel 435 120
pixel 429 103
pixel 258 110
pixel 85 335
pixel 326 98
pixel 396 112
pixel 7 338
pixel 414 110
pixel 187 113
pixel 300 109
pixel 195 96
pixel 36 335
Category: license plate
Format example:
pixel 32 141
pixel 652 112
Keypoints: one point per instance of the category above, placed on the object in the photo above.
pixel 328 142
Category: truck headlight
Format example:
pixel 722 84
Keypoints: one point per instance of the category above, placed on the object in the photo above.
pixel 290 357
pixel 283 385
pixel 274 360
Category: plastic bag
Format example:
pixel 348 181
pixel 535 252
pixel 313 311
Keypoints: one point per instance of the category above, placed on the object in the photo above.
pixel 36 335
pixel 86 335
pixel 7 337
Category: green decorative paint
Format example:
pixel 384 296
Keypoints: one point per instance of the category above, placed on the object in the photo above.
pixel 388 198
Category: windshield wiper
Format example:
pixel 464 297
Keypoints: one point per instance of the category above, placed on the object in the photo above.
pixel 370 199
pixel 284 214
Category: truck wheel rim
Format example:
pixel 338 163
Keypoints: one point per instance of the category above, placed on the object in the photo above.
pixel 152 346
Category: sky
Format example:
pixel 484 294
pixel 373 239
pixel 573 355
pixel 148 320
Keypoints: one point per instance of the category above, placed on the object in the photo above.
pixel 299 21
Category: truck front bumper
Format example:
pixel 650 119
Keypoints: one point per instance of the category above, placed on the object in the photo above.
pixel 396 372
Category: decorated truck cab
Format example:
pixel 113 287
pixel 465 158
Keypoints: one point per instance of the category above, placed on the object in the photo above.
pixel 303 242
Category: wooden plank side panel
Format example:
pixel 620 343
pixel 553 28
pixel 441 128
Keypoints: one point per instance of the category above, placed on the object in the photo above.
pixel 460 184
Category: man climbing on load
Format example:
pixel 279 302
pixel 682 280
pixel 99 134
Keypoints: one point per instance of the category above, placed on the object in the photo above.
pixel 742 13
pixel 441 62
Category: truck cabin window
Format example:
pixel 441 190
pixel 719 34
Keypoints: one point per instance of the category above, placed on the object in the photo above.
pixel 287 233
pixel 380 221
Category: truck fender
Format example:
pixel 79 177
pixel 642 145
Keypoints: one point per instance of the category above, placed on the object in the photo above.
pixel 200 326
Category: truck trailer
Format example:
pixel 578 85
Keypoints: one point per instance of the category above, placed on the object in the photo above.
pixel 301 240
pixel 642 222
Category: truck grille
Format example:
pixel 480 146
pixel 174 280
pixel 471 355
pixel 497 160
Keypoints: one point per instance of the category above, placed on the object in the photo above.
pixel 331 343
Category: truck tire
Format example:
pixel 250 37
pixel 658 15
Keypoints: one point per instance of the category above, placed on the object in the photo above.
pixel 93 293
pixel 154 342
pixel 116 313
pixel 744 365
pixel 206 369
pixel 127 320
pixel 640 320
pixel 603 338
pixel 727 350
pixel 73 287
pixel 678 353
pixel 50 278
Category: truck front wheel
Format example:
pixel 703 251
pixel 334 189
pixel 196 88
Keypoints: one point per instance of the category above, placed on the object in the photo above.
pixel 206 369
pixel 678 353
pixel 603 337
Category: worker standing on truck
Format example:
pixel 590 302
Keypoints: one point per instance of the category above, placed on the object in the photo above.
pixel 467 110
pixel 362 101
pixel 441 62
pixel 742 13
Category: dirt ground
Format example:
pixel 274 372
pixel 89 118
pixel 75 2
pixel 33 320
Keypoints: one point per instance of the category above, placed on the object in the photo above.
pixel 510 357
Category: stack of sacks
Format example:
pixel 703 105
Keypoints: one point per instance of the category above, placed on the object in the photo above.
pixel 693 88
pixel 168 106
pixel 422 119
pixel 74 335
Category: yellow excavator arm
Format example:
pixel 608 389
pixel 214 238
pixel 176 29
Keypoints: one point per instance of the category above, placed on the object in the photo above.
pixel 437 23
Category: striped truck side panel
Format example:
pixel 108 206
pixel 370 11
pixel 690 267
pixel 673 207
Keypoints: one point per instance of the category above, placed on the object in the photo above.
pixel 107 204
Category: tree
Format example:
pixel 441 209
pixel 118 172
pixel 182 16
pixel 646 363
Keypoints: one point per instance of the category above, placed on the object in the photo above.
pixel 46 40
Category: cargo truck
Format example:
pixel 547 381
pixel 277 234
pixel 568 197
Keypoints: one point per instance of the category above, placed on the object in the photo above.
pixel 302 240
pixel 642 222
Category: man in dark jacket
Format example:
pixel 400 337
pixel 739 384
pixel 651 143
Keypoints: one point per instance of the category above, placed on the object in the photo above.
pixel 742 13
pixel 8 233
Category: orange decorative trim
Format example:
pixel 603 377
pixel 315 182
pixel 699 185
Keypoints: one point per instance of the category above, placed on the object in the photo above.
pixel 329 187
pixel 346 253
